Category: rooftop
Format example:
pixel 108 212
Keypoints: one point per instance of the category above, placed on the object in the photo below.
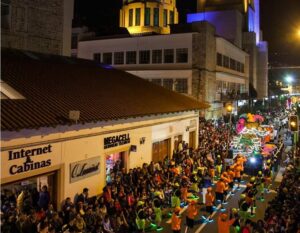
pixel 54 85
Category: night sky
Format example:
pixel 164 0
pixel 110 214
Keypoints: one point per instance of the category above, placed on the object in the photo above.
pixel 280 20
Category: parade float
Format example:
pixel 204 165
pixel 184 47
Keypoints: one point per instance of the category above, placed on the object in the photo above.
pixel 252 137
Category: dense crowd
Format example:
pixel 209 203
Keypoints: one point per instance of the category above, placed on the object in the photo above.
pixel 138 200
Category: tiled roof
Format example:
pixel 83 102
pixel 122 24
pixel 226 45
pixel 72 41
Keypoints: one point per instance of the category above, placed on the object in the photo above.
pixel 54 85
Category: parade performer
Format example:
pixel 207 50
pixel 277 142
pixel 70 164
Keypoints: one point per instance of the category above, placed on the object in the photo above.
pixel 157 203
pixel 219 166
pixel 175 199
pixel 224 224
pixel 237 172
pixel 140 217
pixel 176 221
pixel 220 189
pixel 209 203
pixel 261 185
pixel 192 212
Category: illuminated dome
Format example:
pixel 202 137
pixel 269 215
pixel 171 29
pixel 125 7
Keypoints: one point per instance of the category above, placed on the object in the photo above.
pixel 148 16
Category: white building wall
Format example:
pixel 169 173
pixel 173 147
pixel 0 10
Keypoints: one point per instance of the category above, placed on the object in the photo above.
pixel 77 145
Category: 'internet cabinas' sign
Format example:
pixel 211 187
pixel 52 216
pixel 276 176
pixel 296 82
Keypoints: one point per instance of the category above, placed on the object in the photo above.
pixel 19 161
pixel 28 156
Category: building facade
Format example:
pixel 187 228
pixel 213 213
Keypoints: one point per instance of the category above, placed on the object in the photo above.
pixel 188 61
pixel 144 17
pixel 39 26
pixel 75 119
pixel 239 22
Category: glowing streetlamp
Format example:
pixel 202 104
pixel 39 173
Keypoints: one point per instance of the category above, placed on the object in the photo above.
pixel 289 79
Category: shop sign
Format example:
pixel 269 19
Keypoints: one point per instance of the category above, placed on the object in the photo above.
pixel 27 159
pixel 118 140
pixel 84 168
pixel 28 155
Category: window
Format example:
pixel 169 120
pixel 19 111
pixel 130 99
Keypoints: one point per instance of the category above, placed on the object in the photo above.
pixel 144 57
pixel 130 17
pixel 168 83
pixel 5 14
pixel 165 18
pixel 97 57
pixel 171 17
pixel 137 16
pixel 182 85
pixel 219 59
pixel 238 66
pixel 147 16
pixel 182 55
pixel 242 68
pixel 169 56
pixel 131 57
pixel 157 81
pixel 156 56
pixel 232 64
pixel 226 61
pixel 119 58
pixel 156 17
pixel 107 58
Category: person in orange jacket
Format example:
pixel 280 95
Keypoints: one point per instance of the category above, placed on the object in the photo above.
pixel 176 221
pixel 224 224
pixel 242 160
pixel 209 203
pixel 231 175
pixel 220 190
pixel 192 212
pixel 237 171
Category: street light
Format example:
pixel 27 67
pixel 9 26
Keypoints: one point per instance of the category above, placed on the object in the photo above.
pixel 229 109
pixel 289 79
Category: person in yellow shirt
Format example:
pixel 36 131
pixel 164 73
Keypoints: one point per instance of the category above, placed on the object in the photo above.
pixel 176 221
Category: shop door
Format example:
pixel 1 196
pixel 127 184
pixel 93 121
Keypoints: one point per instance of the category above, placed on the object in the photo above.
pixel 178 139
pixel 192 140
pixel 160 150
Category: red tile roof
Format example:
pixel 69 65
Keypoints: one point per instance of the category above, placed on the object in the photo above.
pixel 54 85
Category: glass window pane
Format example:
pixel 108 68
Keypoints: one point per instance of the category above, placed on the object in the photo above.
pixel 182 85
pixel 130 17
pixel 156 56
pixel 147 16
pixel 171 17
pixel 97 57
pixel 232 64
pixel 156 17
pixel 131 57
pixel 165 17
pixel 169 56
pixel 182 55
pixel 219 59
pixel 168 83
pixel 226 61
pixel 157 81
pixel 107 58
pixel 119 58
pixel 137 16
pixel 145 57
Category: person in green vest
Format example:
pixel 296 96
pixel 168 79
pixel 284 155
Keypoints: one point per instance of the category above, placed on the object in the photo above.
pixel 175 199
pixel 140 219
pixel 157 203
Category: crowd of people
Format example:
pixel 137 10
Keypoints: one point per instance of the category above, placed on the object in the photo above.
pixel 139 200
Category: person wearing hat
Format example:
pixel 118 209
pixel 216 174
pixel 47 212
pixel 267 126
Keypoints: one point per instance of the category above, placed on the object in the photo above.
pixel 176 220
pixel 235 227
pixel 243 208
pixel 260 185
pixel 230 176
pixel 237 173
pixel 268 178
pixel 209 203
pixel 219 166
pixel 192 212
pixel 157 203
pixel 224 224
pixel 220 189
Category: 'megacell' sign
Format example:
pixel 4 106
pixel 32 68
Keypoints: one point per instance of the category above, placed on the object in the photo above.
pixel 28 154
pixel 84 168
pixel 116 140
